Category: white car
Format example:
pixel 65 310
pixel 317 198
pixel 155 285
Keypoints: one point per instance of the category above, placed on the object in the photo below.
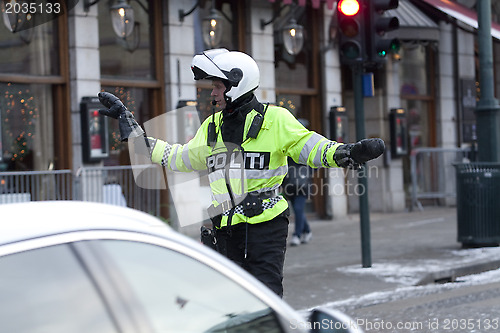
pixel 68 266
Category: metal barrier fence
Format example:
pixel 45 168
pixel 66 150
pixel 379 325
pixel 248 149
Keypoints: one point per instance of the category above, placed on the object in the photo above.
pixel 433 174
pixel 113 185
pixel 35 186
pixel 118 187
pixel 432 177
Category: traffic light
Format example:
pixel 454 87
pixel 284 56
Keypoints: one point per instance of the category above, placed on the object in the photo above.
pixel 376 26
pixel 351 31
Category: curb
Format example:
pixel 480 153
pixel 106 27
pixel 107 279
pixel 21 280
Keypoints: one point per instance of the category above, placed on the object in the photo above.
pixel 450 275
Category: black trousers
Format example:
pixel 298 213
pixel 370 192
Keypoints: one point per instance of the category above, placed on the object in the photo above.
pixel 264 245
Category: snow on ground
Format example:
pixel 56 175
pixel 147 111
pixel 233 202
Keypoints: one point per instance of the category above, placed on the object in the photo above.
pixel 408 273
pixel 402 273
pixel 405 292
pixel 411 272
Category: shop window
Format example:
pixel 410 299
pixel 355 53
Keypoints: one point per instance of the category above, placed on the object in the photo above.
pixel 417 98
pixel 297 82
pixel 293 72
pixel 414 70
pixel 292 103
pixel 26 126
pixel 415 93
pixel 293 76
pixel 31 52
pixel 129 69
pixel 417 116
pixel 228 12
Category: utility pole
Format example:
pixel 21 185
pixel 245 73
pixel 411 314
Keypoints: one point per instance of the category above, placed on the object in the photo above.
pixel 487 110
pixel 478 221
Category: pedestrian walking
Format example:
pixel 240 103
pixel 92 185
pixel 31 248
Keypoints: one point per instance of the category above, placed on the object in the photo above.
pixel 296 188
pixel 244 147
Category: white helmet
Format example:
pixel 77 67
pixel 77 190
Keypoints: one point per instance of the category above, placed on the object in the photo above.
pixel 238 70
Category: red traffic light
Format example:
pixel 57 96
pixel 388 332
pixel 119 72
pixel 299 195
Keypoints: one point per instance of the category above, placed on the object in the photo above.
pixel 348 7
pixel 351 31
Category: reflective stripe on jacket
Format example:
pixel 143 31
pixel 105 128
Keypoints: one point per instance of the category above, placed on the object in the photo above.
pixel 259 165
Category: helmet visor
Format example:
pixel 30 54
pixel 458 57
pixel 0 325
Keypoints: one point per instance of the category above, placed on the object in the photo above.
pixel 204 67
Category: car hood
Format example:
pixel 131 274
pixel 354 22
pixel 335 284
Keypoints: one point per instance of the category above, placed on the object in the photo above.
pixel 21 221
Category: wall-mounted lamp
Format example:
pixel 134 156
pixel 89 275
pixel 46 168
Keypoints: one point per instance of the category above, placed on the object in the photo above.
pixel 132 42
pixel 212 29
pixel 122 17
pixel 18 21
pixel 212 26
pixel 264 23
pixel 292 33
pixel 123 22
pixel 293 37
pixel 183 14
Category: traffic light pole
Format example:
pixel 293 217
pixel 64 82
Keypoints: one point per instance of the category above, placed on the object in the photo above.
pixel 364 214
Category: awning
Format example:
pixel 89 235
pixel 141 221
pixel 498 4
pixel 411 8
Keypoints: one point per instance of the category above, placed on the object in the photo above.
pixel 462 14
pixel 315 3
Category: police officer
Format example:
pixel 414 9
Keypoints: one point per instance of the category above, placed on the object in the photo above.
pixel 245 148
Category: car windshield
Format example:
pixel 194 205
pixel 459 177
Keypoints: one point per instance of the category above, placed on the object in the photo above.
pixel 180 294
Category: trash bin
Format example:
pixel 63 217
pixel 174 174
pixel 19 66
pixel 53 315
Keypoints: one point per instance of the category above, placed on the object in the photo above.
pixel 478 203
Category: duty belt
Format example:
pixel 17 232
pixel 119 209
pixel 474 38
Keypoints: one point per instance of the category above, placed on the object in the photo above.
pixel 224 207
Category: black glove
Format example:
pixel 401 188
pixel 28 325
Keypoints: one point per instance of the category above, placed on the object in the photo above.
pixel 342 155
pixel 353 155
pixel 113 104
pixel 367 149
pixel 129 128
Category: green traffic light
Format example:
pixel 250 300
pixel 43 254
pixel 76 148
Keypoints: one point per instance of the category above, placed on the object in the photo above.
pixel 395 45
pixel 385 46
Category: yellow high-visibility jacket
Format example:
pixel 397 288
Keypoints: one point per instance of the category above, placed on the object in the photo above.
pixel 258 165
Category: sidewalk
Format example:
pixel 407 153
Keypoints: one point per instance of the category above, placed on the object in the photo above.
pixel 408 248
